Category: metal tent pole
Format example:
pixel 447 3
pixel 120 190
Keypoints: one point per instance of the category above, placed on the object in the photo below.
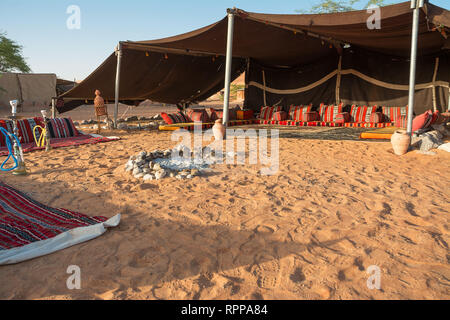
pixel 116 101
pixel 229 57
pixel 416 5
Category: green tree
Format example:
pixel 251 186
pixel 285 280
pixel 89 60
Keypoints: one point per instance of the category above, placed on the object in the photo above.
pixel 11 58
pixel 331 6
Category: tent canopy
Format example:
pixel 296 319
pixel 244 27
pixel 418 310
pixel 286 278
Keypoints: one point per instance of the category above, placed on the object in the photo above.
pixel 190 67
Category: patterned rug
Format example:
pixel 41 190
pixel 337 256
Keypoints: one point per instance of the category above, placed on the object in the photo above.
pixel 62 142
pixel 29 229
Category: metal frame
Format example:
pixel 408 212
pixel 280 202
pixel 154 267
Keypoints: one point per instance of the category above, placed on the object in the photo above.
pixel 416 5
pixel 228 62
pixel 119 53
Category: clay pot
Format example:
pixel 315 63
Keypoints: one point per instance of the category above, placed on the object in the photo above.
pixel 218 129
pixel 400 141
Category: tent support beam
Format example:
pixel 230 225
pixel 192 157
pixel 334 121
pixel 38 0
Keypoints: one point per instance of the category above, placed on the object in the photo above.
pixel 436 67
pixel 116 101
pixel 416 5
pixel 53 108
pixel 228 62
pixel 338 81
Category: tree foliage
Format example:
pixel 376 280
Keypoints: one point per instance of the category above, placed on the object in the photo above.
pixel 11 58
pixel 331 6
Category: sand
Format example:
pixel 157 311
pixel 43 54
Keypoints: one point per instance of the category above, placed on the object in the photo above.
pixel 310 232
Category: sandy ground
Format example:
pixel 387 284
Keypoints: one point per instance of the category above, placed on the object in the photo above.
pixel 310 232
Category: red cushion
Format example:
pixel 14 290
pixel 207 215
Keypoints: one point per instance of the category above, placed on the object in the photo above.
pixel 376 117
pixel 267 112
pixel 391 114
pixel 422 121
pixel 361 114
pixel 61 128
pixel 297 113
pixel 401 122
pixel 279 116
pixel 177 117
pixel 311 116
pixel 342 117
pixel 435 118
pixel 198 115
pixel 329 113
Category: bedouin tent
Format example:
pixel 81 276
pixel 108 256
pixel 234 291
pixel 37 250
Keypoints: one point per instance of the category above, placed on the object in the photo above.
pixel 32 90
pixel 288 59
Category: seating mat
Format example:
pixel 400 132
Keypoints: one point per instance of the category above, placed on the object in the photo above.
pixel 382 133
pixel 63 142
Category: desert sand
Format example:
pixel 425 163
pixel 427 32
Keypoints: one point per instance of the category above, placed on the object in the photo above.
pixel 309 232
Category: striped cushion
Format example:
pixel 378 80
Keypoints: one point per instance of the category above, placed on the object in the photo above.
pixel 391 114
pixel 376 117
pixel 297 113
pixel 361 114
pixel 342 117
pixel 177 117
pixel 267 112
pixel 279 116
pixel 26 127
pixel 329 113
pixel 61 128
pixel 198 115
pixel 311 116
pixel 8 126
pixel 401 121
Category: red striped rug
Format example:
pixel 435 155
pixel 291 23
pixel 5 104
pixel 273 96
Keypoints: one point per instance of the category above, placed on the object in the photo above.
pixel 62 142
pixel 29 228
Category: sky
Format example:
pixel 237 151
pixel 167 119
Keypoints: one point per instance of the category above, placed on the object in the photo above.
pixel 49 46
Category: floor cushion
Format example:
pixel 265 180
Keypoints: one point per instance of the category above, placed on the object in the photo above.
pixel 401 122
pixel 267 112
pixel 279 116
pixel 61 128
pixel 376 117
pixel 422 121
pixel 177 117
pixel 297 113
pixel 391 114
pixel 197 115
pixel 343 117
pixel 329 113
pixel 361 113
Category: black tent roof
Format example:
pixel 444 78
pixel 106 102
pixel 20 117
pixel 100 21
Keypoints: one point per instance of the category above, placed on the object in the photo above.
pixel 190 67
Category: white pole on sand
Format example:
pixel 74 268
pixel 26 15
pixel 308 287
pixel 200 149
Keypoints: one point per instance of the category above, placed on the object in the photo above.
pixel 116 101
pixel 416 5
pixel 228 61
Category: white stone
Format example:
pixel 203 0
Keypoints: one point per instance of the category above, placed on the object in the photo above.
pixel 148 177
pixel 160 174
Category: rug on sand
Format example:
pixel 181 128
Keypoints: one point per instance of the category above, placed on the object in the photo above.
pixel 30 229
pixel 64 142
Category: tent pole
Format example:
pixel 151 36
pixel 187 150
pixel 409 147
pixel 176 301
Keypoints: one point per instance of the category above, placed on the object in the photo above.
pixel 338 81
pixel 436 67
pixel 53 108
pixel 116 101
pixel 229 57
pixel 416 5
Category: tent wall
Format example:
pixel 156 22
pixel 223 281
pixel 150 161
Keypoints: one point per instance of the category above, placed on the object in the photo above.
pixel 366 79
pixel 34 91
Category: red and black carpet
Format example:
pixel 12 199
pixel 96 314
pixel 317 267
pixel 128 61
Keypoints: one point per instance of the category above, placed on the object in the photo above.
pixel 63 142
pixel 30 229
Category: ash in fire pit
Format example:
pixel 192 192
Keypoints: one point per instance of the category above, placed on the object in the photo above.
pixel 159 164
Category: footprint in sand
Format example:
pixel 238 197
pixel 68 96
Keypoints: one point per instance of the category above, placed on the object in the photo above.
pixel 268 274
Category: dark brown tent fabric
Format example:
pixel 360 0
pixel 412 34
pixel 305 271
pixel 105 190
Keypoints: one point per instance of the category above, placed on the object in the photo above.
pixel 195 67
pixel 353 89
